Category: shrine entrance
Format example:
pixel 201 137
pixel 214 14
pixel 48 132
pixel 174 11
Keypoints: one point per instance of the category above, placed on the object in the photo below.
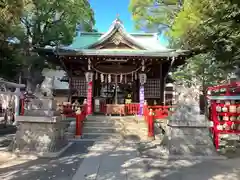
pixel 116 68
pixel 117 93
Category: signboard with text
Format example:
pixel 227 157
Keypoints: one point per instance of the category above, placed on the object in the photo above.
pixel 89 98
pixel 141 99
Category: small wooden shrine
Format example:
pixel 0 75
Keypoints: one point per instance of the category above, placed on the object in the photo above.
pixel 116 67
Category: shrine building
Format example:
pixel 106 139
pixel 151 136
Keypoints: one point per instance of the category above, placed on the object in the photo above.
pixel 116 67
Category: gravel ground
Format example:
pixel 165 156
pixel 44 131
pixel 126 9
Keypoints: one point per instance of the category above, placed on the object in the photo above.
pixel 61 168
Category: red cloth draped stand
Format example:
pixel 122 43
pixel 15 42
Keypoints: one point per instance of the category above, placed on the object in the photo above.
pixel 151 113
pixel 80 117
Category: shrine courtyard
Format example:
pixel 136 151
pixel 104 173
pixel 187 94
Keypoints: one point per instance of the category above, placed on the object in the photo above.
pixel 111 72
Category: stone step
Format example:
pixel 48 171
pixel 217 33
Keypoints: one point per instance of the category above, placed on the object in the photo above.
pixel 97 137
pixel 99 121
pixel 100 130
pixel 97 118
pixel 99 134
pixel 134 126
pixel 69 135
pixel 98 124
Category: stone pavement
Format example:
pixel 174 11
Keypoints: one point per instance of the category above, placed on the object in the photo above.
pixel 159 168
pixel 61 168
pixel 111 160
pixel 117 159
pixel 120 160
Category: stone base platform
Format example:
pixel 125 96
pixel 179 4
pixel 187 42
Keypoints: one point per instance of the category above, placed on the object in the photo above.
pixel 41 136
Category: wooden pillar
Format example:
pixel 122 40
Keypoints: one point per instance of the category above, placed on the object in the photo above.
pixel 70 86
pixel 135 90
pixel 70 83
pixel 162 86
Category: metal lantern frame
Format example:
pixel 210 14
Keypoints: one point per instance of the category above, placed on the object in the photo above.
pixel 142 78
pixel 89 76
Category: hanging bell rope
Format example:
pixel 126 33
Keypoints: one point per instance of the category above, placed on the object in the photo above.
pixel 136 76
pixel 121 78
pixel 102 78
pixel 109 78
pixel 96 76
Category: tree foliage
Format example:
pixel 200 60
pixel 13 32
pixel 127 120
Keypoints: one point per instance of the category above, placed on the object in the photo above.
pixel 211 26
pixel 55 21
pixel 37 23
pixel 201 70
pixel 10 13
pixel 152 13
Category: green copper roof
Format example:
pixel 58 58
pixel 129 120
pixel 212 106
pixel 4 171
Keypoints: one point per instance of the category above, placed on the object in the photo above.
pixel 84 39
pixel 88 40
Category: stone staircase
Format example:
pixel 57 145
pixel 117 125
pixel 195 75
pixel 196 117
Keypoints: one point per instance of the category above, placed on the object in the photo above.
pixel 96 128
pixel 105 127
pixel 101 128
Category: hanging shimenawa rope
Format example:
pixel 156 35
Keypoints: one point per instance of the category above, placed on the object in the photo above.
pixel 100 72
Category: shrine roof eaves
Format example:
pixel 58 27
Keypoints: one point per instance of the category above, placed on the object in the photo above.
pixel 130 53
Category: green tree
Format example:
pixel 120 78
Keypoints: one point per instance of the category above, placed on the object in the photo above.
pixel 50 23
pixel 55 21
pixel 152 13
pixel 37 24
pixel 201 69
pixel 10 13
pixel 210 26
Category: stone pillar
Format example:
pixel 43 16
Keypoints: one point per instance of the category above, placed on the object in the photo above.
pixel 17 101
pixel 89 80
pixel 142 79
pixel 188 135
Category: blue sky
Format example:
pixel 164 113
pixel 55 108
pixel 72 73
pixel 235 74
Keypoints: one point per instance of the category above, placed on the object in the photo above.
pixel 106 12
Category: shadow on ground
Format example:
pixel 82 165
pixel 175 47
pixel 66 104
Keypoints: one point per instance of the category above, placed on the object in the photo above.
pixel 123 162
pixel 62 168
pixel 6 135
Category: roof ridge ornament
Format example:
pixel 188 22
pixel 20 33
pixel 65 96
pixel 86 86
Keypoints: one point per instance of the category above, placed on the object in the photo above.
pixel 118 20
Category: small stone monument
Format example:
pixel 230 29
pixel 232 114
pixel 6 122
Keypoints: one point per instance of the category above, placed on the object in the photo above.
pixel 188 130
pixel 41 130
